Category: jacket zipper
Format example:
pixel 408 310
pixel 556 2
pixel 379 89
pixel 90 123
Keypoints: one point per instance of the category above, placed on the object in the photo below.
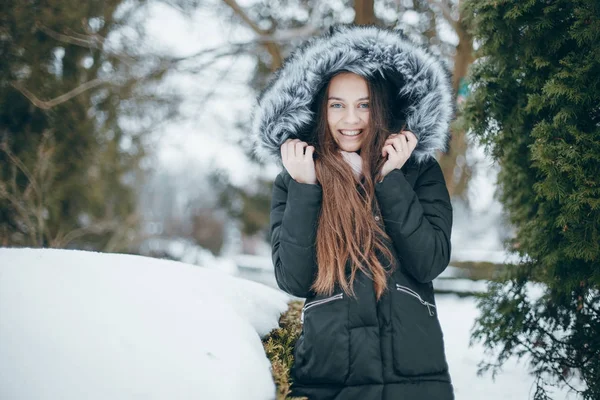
pixel 318 303
pixel 416 295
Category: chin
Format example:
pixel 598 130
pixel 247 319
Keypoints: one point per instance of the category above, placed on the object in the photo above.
pixel 349 147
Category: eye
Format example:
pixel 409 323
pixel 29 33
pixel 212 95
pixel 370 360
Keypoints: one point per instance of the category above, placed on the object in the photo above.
pixel 335 105
pixel 363 105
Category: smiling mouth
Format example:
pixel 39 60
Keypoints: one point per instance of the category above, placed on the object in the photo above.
pixel 351 133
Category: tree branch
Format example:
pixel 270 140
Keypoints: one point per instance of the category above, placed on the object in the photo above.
pixel 273 48
pixel 242 14
pixel 98 228
pixel 270 40
pixel 46 105
pixel 83 40
pixel 89 41
pixel 20 208
pixel 20 165
pixel 271 43
pixel 287 35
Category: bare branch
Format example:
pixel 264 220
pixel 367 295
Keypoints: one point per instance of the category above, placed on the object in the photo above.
pixel 272 47
pixel 120 234
pixel 81 40
pixel 235 49
pixel 446 11
pixel 19 207
pixel 89 41
pixel 242 14
pixel 20 165
pixel 287 35
pixel 46 105
pixel 94 41
pixel 280 37
pixel 95 228
pixel 117 226
pixel 28 203
pixel 215 85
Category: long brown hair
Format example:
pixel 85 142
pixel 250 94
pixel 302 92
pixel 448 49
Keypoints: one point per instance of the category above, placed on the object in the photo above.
pixel 347 231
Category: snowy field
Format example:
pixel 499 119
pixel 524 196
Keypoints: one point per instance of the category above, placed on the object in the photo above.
pixel 81 325
pixel 456 317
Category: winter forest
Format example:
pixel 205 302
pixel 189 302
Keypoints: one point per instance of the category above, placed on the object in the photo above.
pixel 135 255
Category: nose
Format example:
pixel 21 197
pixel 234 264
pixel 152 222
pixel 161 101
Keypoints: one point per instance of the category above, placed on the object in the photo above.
pixel 351 116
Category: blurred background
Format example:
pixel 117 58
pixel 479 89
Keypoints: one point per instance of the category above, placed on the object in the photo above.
pixel 125 124
pixel 125 128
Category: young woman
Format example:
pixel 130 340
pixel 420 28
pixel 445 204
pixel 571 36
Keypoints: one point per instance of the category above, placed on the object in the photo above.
pixel 361 217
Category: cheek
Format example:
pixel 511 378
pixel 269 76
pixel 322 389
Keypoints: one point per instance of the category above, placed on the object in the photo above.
pixel 331 120
pixel 366 117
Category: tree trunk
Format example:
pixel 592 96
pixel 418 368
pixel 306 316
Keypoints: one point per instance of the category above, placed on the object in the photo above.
pixel 453 163
pixel 364 12
pixel 276 57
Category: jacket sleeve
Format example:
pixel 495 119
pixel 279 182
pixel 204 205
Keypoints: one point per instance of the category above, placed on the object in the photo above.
pixel 295 209
pixel 419 220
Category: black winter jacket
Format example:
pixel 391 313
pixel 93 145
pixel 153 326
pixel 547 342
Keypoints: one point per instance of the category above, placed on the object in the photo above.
pixel 358 347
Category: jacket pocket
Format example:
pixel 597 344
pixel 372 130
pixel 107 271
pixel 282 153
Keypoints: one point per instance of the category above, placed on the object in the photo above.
pixel 322 352
pixel 417 342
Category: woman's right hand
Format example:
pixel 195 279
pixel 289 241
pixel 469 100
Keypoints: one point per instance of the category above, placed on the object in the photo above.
pixel 298 160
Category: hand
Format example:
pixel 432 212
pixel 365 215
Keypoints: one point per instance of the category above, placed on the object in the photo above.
pixel 298 160
pixel 354 160
pixel 397 148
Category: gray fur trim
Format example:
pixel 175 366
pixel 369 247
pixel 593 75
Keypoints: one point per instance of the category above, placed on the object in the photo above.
pixel 282 110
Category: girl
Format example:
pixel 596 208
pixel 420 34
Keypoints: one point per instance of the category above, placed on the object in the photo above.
pixel 360 215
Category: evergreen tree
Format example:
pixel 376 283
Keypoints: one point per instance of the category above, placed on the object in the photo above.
pixel 535 105
pixel 68 165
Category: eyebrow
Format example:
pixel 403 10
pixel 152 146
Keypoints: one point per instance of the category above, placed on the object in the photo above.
pixel 337 98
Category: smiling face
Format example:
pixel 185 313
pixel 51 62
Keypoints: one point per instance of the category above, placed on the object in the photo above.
pixel 348 110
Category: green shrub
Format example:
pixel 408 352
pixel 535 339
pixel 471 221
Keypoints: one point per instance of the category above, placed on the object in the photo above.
pixel 279 346
pixel 534 104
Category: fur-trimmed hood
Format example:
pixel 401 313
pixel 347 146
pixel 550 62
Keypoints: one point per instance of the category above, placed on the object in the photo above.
pixel 284 107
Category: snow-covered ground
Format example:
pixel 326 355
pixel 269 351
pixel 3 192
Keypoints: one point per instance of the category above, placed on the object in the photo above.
pixel 513 383
pixel 82 325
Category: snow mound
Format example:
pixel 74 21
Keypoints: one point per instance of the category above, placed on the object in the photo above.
pixel 77 325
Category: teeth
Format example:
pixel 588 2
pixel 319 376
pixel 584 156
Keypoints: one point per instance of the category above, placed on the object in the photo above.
pixel 351 133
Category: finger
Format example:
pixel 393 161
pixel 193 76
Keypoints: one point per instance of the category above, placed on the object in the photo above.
pixel 408 134
pixel 388 150
pixel 395 143
pixel 394 136
pixel 403 145
pixel 299 148
pixel 289 147
pixel 283 150
pixel 411 139
pixel 309 152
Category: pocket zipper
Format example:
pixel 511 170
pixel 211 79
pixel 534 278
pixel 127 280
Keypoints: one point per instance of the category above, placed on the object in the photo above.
pixel 318 303
pixel 411 292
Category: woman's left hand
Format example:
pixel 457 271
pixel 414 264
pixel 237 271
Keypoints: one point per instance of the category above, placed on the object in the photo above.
pixel 397 148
